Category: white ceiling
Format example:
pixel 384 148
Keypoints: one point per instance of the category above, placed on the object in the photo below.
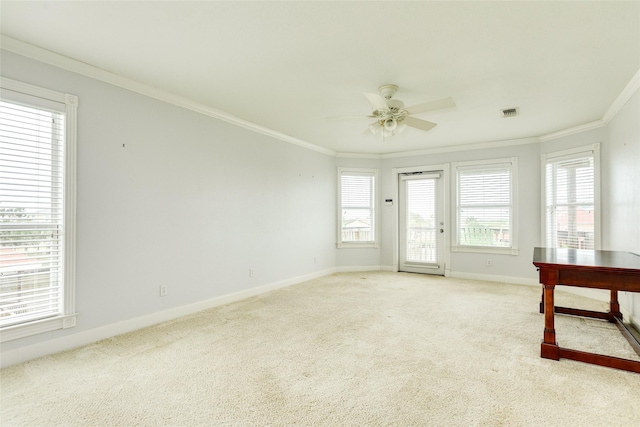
pixel 288 65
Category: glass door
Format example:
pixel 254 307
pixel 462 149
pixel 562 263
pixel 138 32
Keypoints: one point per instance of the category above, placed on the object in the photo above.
pixel 421 222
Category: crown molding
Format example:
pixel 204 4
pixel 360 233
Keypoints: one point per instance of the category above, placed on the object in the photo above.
pixel 360 156
pixel 43 55
pixel 439 150
pixel 627 92
pixel 573 130
pixel 614 108
pixel 464 147
pixel 69 64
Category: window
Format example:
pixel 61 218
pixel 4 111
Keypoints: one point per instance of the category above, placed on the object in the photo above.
pixel 357 200
pixel 37 209
pixel 571 215
pixel 486 206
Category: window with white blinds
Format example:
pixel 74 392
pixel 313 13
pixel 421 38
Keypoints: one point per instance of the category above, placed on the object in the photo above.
pixel 485 205
pixel 357 216
pixel 34 281
pixel 570 200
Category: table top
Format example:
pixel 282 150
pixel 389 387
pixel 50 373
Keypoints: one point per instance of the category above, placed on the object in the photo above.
pixel 581 258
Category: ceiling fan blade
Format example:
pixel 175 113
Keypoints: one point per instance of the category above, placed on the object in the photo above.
pixel 418 123
pixel 431 106
pixel 377 101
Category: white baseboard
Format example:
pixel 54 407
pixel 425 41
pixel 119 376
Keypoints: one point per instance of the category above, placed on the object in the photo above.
pixel 22 354
pixel 596 294
pixel 29 352
pixel 356 268
pixel 635 321
pixel 494 278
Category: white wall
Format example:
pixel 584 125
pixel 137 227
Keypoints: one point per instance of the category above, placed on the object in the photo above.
pixel 622 223
pixel 620 192
pixel 167 196
pixel 193 203
pixel 517 268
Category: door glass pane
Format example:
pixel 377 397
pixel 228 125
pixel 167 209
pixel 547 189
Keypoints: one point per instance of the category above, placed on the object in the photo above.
pixel 421 221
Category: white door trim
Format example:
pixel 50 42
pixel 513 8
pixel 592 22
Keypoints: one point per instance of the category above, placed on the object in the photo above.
pixel 446 205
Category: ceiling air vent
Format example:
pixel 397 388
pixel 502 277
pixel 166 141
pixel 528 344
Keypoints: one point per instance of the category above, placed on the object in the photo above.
pixel 510 112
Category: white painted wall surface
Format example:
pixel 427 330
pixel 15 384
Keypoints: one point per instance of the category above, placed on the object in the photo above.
pixel 169 197
pixel 516 268
pixel 623 191
pixel 193 203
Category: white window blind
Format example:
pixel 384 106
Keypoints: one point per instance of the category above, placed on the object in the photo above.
pixel 570 201
pixel 485 204
pixel 357 206
pixel 35 247
pixel 31 213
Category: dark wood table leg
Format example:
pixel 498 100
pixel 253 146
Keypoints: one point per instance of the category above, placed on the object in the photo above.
pixel 542 301
pixel 614 306
pixel 549 348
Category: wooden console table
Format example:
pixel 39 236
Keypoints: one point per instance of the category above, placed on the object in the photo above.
pixel 614 271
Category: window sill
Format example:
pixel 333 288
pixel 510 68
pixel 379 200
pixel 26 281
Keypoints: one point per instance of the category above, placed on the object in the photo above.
pixel 485 250
pixel 37 327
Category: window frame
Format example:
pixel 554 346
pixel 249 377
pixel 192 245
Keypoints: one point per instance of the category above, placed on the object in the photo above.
pixel 374 208
pixel 511 164
pixel 25 93
pixel 592 150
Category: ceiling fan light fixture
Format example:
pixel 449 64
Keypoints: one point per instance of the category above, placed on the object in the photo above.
pixel 390 124
pixel 375 128
pixel 390 115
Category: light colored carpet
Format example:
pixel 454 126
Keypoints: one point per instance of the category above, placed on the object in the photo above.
pixel 354 349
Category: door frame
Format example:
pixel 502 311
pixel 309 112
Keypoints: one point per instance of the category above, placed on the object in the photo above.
pixel 446 250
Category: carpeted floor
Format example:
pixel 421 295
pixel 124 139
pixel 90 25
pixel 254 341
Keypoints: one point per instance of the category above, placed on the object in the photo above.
pixel 353 349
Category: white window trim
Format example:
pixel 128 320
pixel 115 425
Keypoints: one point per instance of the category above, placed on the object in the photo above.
pixel 68 318
pixel 375 244
pixel 513 250
pixel 584 151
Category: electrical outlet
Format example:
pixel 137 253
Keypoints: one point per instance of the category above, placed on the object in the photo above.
pixel 488 264
pixel 251 272
pixel 163 291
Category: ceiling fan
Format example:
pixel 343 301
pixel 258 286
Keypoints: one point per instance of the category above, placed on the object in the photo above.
pixel 391 116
